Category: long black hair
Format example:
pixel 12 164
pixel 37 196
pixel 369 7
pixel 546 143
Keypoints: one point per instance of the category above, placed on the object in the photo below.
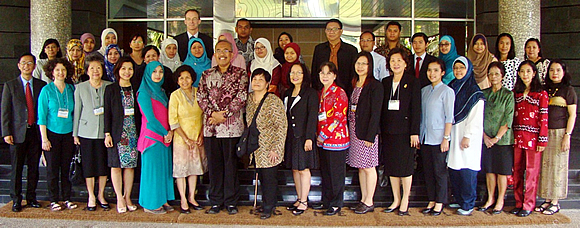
pixel 306 80
pixel 511 52
pixel 535 85
pixel 566 80
pixel 43 54
pixel 370 68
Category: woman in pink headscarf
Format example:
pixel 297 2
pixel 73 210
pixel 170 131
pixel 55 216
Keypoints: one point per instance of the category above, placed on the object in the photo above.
pixel 237 59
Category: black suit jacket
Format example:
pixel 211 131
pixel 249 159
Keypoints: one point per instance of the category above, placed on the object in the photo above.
pixel 183 40
pixel 407 119
pixel 303 118
pixel 14 111
pixel 424 80
pixel 368 110
pixel 115 113
pixel 346 58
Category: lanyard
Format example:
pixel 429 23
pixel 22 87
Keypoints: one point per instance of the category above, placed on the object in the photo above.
pixel 398 93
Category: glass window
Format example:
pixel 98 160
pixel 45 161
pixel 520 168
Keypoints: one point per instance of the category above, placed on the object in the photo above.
pixel 378 28
pixel 175 28
pixel 444 8
pixel 135 9
pixel 153 31
pixel 176 8
pixel 381 8
pixel 287 8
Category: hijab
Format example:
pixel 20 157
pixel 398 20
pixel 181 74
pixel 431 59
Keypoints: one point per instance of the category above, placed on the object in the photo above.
pixel 480 61
pixel 467 92
pixel 279 52
pixel 200 64
pixel 448 59
pixel 84 37
pixel 151 88
pixel 79 64
pixel 230 39
pixel 268 63
pixel 172 63
pixel 287 65
pixel 104 34
pixel 109 67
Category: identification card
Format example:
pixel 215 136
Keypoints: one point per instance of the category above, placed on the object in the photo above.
pixel 62 113
pixel 322 116
pixel 129 111
pixel 353 108
pixel 394 105
pixel 99 111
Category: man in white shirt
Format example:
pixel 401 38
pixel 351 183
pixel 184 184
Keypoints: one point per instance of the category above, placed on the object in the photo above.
pixel 192 21
pixel 419 61
pixel 367 43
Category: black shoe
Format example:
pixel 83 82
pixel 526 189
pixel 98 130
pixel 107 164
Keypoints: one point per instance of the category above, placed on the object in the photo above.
pixel 232 209
pixel 515 211
pixel 105 207
pixel 93 208
pixel 332 211
pixel 318 206
pixel 33 203
pixel 265 215
pixel 427 210
pixel 292 207
pixel 363 209
pixel 184 211
pixel 298 211
pixel 496 212
pixel 355 206
pixel 195 207
pixel 214 209
pixel 484 208
pixel 524 213
pixel 403 213
pixel 17 206
pixel 436 213
pixel 390 210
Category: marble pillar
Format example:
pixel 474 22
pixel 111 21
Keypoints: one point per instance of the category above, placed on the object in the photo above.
pixel 49 19
pixel 521 19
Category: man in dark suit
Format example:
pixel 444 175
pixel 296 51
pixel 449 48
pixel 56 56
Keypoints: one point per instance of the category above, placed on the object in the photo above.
pixel 420 60
pixel 335 50
pixel 19 129
pixel 192 21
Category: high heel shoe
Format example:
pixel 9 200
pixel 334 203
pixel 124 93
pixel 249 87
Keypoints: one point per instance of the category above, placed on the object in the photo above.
pixel 195 207
pixel 436 213
pixel 105 206
pixel 132 208
pixel 293 206
pixel 390 210
pixel 121 210
pixel 300 211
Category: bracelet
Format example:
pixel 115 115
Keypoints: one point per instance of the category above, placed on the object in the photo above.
pixel 569 134
pixel 497 137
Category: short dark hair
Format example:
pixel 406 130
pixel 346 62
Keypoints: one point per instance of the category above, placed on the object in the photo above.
pixel 95 58
pixel 420 34
pixel 244 19
pixel 119 64
pixel 370 68
pixel 439 62
pixel 135 36
pixel 335 21
pixel 535 86
pixel 261 71
pixel 43 54
pixel 49 67
pixel 192 10
pixel 397 51
pixel 511 52
pixel 306 80
pixel 27 54
pixel 225 41
pixel 367 32
pixel 184 68
pixel 148 48
pixel 394 23
pixel 566 80
pixel 526 44
pixel 499 66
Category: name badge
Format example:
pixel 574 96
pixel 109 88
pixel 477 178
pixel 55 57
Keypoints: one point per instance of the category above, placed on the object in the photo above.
pixel 353 108
pixel 62 113
pixel 322 116
pixel 394 105
pixel 129 111
pixel 99 111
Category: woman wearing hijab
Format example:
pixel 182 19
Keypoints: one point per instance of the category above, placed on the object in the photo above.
pixel 50 50
pixel 447 53
pixel 505 51
pixel 237 59
pixel 291 53
pixel 154 143
pixel 283 39
pixel 264 58
pixel 76 56
pixel 197 58
pixel 169 56
pixel 112 55
pixel 108 36
pixel 464 159
pixel 88 41
pixel 478 53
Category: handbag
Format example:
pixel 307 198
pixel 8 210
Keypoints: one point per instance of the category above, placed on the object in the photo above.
pixel 249 141
pixel 75 174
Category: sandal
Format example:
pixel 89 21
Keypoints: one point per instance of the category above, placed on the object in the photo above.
pixel 542 206
pixel 552 209
pixel 54 206
pixel 132 207
pixel 70 205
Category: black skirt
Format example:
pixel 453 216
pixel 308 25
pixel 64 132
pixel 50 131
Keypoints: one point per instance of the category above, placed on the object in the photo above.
pixel 398 156
pixel 498 159
pixel 295 157
pixel 94 157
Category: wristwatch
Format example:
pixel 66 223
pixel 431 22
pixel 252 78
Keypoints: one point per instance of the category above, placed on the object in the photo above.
pixel 497 137
pixel 447 137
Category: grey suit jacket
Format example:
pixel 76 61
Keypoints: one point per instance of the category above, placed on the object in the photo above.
pixel 14 112
pixel 86 124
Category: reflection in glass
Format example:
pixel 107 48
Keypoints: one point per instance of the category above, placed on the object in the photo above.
pixel 381 8
pixel 175 28
pixel 176 8
pixel 287 8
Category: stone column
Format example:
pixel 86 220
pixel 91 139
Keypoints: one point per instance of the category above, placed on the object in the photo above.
pixel 49 19
pixel 521 19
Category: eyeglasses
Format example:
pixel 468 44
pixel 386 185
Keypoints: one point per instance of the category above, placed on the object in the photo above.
pixel 137 42
pixel 26 63
pixel 459 68
pixel 332 29
pixel 226 51
pixel 296 73
pixel 260 48
pixel 327 73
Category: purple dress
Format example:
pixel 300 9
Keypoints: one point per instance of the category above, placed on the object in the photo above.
pixel 359 155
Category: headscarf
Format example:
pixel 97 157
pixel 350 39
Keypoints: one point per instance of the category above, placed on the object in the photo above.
pixel 480 61
pixel 200 64
pixel 286 66
pixel 109 67
pixel 230 39
pixel 151 88
pixel 172 63
pixel 467 92
pixel 103 35
pixel 79 64
pixel 268 63
pixel 279 52
pixel 448 59
pixel 84 37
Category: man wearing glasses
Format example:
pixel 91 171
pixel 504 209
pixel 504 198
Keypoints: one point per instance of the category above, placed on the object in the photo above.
pixel 367 43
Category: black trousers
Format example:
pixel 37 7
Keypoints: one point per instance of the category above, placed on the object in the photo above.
pixel 332 171
pixel 58 165
pixel 27 152
pixel 436 173
pixel 223 171
pixel 269 184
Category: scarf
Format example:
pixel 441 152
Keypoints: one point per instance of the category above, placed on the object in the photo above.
pixel 79 64
pixel 200 64
pixel 148 86
pixel 467 92
pixel 287 65
pixel 109 67
pixel 104 34
pixel 268 63
pixel 448 59
pixel 172 63
pixel 480 61
pixel 84 37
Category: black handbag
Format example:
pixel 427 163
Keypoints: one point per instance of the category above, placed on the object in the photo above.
pixel 249 141
pixel 75 174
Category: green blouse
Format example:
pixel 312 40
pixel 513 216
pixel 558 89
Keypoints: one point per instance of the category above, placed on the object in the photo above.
pixel 499 111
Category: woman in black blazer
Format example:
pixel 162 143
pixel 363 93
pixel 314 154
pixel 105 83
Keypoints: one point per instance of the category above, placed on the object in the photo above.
pixel 364 117
pixel 400 122
pixel 301 103
pixel 122 120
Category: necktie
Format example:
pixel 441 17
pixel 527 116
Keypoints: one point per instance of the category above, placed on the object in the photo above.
pixel 29 104
pixel 417 67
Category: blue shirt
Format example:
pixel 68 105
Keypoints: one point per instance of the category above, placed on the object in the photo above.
pixel 436 110
pixel 24 84
pixel 380 66
pixel 50 101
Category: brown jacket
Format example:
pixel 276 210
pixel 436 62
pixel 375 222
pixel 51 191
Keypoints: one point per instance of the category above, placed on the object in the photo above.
pixel 272 124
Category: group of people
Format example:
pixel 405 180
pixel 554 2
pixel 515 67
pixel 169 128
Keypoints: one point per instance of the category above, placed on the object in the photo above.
pixel 185 107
